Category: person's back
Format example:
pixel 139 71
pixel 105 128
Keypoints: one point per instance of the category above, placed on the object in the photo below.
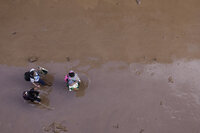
pixel 31 95
pixel 71 78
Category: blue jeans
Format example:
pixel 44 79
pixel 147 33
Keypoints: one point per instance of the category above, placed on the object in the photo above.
pixel 41 82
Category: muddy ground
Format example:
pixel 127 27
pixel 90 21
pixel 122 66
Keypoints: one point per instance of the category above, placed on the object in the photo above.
pixel 139 65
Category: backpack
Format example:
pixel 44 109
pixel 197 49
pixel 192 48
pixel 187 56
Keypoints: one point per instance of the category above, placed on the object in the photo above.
pixel 27 76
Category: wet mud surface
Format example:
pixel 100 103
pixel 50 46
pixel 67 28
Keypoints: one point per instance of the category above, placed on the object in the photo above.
pixel 138 61
pixel 115 99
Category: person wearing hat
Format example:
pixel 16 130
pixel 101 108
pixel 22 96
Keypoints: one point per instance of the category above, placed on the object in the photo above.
pixel 71 78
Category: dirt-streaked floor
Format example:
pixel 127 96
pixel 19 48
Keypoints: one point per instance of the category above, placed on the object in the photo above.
pixel 119 97
pixel 139 65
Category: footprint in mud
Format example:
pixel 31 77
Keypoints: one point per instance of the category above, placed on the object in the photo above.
pixel 14 33
pixel 68 59
pixel 138 2
pixel 32 59
pixel 141 131
pixel 83 86
pixel 116 126
pixel 152 74
pixel 138 73
pixel 55 127
pixel 154 59
pixel 170 79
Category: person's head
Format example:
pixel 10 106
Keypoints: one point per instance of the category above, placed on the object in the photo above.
pixel 32 74
pixel 25 94
pixel 71 73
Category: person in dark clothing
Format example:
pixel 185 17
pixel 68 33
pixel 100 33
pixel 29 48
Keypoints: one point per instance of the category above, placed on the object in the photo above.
pixel 32 95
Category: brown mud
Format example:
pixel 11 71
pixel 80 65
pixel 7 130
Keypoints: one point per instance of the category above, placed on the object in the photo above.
pixel 58 30
pixel 138 62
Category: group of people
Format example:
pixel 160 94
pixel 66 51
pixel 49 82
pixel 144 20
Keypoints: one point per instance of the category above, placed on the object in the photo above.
pixel 35 76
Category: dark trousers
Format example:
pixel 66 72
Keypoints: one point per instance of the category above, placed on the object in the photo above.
pixel 41 82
